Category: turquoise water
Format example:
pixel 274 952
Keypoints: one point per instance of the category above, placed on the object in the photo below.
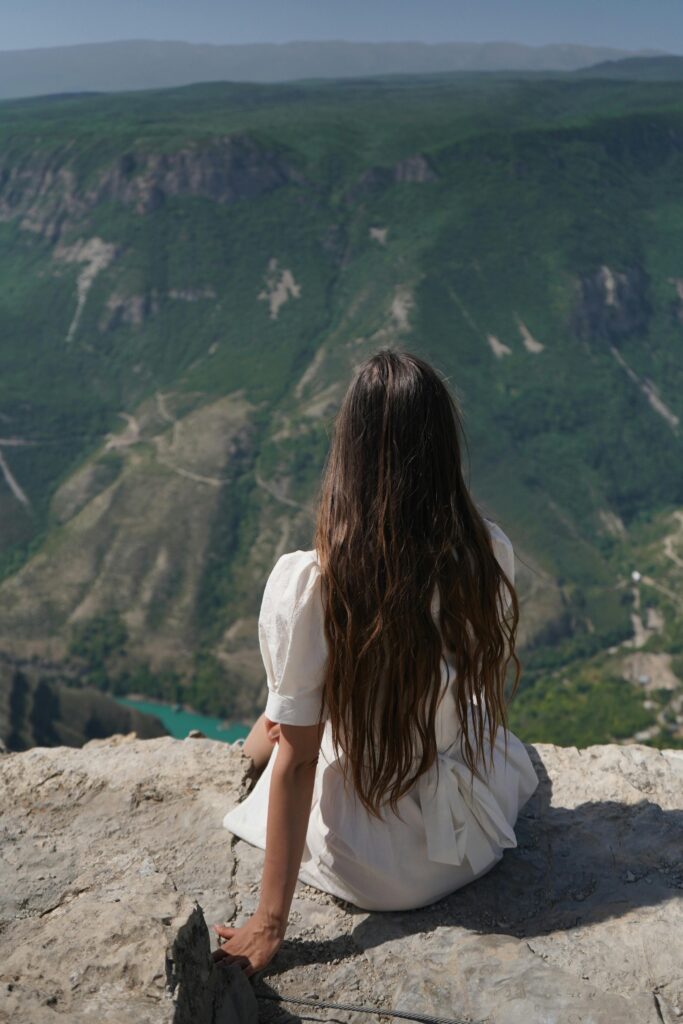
pixel 179 723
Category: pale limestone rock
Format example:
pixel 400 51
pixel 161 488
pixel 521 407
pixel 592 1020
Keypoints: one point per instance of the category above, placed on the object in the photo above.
pixel 114 854
pixel 105 853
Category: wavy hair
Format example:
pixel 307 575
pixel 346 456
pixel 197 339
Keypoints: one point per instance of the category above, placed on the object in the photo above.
pixel 396 527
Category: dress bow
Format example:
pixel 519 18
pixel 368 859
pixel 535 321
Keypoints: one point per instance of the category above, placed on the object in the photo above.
pixel 461 816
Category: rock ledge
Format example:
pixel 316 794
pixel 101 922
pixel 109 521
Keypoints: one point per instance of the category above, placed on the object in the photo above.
pixel 114 858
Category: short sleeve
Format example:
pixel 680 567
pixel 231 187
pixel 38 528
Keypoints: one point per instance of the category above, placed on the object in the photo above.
pixel 502 548
pixel 292 639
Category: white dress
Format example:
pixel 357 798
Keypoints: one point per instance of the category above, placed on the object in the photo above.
pixel 454 829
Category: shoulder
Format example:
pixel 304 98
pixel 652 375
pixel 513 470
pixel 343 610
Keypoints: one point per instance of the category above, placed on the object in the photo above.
pixel 295 567
pixel 502 546
pixel 292 638
pixel 498 534
pixel 293 579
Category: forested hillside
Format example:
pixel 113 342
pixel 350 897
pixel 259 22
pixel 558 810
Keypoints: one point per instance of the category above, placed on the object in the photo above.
pixel 187 279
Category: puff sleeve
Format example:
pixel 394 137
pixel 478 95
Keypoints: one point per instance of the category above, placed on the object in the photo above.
pixel 502 548
pixel 292 639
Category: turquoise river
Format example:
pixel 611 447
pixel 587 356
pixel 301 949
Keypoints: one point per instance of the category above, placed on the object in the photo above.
pixel 180 722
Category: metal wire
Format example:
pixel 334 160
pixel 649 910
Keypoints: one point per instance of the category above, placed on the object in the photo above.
pixel 424 1018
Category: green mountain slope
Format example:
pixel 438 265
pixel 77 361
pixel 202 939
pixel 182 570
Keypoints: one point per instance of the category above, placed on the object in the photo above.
pixel 188 279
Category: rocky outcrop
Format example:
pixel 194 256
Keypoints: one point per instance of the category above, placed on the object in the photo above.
pixel 611 304
pixel 105 852
pixel 45 193
pixel 114 858
pixel 39 708
pixel 224 170
pixel 415 169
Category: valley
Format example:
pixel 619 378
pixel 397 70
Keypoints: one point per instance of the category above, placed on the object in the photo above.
pixel 187 280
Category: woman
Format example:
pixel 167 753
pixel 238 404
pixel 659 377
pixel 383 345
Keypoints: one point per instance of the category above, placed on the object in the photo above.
pixel 390 779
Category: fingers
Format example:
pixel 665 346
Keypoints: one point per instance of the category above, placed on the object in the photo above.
pixel 241 961
pixel 223 931
pixel 221 958
pixel 220 954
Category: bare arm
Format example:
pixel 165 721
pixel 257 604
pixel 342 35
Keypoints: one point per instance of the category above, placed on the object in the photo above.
pixel 289 806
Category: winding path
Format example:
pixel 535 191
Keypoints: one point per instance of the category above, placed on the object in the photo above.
pixel 12 483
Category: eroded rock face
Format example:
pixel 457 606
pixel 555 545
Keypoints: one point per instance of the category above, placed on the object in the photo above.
pixel 38 707
pixel 612 304
pixel 415 169
pixel 114 857
pixel 46 195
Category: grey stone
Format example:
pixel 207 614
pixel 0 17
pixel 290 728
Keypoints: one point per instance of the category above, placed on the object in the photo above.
pixel 114 858
pixel 109 857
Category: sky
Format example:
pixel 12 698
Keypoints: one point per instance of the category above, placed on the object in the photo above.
pixel 625 24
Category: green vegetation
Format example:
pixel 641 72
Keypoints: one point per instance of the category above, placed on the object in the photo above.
pixel 589 708
pixel 98 654
pixel 96 640
pixel 237 249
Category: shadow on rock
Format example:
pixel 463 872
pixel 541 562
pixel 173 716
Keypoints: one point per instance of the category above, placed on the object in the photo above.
pixel 572 867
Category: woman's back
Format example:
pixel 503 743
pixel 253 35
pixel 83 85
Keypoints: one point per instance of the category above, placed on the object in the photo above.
pixel 447 829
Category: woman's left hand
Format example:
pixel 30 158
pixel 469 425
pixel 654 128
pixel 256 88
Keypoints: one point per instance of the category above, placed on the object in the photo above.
pixel 252 946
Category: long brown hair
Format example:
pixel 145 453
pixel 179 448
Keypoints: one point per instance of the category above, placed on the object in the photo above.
pixel 395 526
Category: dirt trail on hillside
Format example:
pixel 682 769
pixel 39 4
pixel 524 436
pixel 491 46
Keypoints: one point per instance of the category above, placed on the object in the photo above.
pixel 671 537
pixel 273 492
pixel 676 598
pixel 649 390
pixel 131 434
pixel 168 417
pixel 12 483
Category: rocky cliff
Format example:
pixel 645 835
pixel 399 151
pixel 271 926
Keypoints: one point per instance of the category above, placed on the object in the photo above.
pixel 38 707
pixel 114 857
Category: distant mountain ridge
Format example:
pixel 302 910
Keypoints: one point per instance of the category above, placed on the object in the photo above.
pixel 646 69
pixel 147 64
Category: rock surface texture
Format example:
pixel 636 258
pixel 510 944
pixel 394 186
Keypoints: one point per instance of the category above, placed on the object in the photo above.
pixel 113 858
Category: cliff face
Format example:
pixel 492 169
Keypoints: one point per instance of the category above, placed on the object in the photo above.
pixel 46 194
pixel 116 852
pixel 39 708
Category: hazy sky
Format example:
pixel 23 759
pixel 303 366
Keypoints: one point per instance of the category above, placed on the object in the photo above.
pixel 628 24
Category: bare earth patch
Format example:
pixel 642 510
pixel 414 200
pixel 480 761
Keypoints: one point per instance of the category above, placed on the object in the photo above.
pixel 131 434
pixel 96 255
pixel 310 372
pixel 650 670
pixel 612 522
pixel 280 286
pixel 497 347
pixel 610 285
pixel 530 343
pixel 401 306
